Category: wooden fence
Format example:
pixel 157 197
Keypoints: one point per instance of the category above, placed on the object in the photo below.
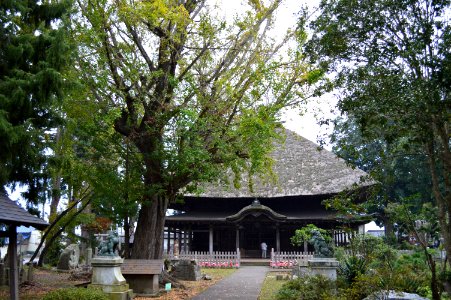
pixel 288 259
pixel 217 259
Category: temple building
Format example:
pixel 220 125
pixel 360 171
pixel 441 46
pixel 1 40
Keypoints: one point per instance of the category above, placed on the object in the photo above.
pixel 226 218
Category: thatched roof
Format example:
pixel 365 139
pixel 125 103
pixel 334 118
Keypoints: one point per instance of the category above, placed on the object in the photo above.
pixel 302 169
pixel 11 213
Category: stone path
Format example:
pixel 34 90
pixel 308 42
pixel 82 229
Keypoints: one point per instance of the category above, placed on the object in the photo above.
pixel 244 284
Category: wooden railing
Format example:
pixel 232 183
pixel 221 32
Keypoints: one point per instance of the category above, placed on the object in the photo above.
pixel 217 259
pixel 288 259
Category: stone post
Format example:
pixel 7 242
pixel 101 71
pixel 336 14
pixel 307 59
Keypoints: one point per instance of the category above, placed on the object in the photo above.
pixel 88 256
pixel 30 276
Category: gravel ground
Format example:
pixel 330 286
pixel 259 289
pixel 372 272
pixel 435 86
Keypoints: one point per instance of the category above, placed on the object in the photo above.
pixel 47 280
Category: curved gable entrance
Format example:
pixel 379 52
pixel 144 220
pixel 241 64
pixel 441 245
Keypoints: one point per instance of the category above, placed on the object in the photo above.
pixel 256 223
pixel 256 210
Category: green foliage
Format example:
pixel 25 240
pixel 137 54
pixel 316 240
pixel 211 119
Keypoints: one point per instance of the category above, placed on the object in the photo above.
pixel 399 172
pixel 392 91
pixel 419 279
pixel 193 95
pixel 367 267
pixel 76 294
pixel 54 251
pixel 352 267
pixel 422 224
pixel 33 55
pixel 308 288
pixel 305 234
pixel 371 265
pixel 366 246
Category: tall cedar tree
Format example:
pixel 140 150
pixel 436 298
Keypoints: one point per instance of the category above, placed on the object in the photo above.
pixel 401 173
pixel 392 59
pixel 194 94
pixel 33 53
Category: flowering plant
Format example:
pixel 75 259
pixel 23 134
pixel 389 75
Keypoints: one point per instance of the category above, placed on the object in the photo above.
pixel 283 264
pixel 221 264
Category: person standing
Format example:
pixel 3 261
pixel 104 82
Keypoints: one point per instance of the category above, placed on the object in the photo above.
pixel 264 247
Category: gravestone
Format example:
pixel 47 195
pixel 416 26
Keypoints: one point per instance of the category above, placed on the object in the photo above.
pixel 88 256
pixel 69 258
pixel 187 269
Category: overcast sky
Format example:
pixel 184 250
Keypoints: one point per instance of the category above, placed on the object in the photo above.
pixel 305 124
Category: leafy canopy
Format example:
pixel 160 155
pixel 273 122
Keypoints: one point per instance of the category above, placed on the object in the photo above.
pixel 189 89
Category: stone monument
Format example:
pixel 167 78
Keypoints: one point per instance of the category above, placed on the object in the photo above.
pixel 69 258
pixel 106 271
pixel 323 263
pixel 186 269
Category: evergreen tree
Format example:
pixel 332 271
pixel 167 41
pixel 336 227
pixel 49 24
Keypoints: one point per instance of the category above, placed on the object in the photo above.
pixel 391 59
pixel 33 54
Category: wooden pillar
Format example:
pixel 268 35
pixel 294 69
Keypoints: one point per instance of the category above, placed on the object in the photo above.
pixel 190 233
pixel 13 272
pixel 237 238
pixel 168 241
pixel 179 240
pixel 277 238
pixel 210 240
pixel 184 240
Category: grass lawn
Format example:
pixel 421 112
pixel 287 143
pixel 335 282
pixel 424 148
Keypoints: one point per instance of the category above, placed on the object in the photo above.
pixel 271 286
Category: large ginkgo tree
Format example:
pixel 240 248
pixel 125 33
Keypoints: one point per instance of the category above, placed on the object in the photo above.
pixel 196 94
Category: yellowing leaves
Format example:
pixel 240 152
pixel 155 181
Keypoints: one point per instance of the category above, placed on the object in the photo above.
pixel 156 13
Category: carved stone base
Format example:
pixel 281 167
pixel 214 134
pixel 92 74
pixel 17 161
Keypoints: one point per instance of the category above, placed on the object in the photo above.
pixel 106 275
pixel 318 266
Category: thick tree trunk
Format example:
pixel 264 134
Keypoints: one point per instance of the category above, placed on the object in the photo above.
pixel 148 242
pixel 443 199
pixel 389 229
pixel 85 236
pixel 56 180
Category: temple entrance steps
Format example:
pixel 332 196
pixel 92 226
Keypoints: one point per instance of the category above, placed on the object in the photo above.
pixel 255 262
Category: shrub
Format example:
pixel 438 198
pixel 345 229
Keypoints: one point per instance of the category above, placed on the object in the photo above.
pixel 351 267
pixel 308 288
pixel 362 286
pixel 53 253
pixel 76 294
